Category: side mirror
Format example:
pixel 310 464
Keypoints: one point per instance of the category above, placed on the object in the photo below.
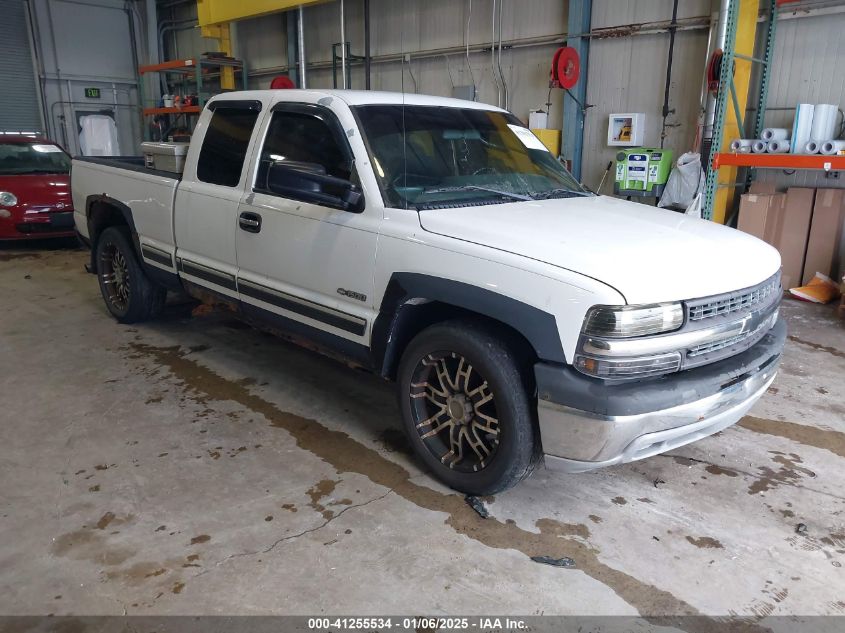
pixel 309 182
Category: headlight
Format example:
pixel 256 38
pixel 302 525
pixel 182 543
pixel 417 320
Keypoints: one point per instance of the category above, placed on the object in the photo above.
pixel 628 367
pixel 595 355
pixel 8 199
pixel 628 321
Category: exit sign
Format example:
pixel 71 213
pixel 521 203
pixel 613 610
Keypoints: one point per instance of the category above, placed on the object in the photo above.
pixel 92 93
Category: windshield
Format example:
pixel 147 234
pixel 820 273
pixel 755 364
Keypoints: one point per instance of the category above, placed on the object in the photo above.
pixel 32 158
pixel 459 157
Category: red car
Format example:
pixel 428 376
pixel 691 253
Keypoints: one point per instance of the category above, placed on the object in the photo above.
pixel 35 199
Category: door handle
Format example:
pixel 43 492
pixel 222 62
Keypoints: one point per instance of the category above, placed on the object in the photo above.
pixel 250 222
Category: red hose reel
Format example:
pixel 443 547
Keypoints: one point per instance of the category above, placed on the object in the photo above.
pixel 566 67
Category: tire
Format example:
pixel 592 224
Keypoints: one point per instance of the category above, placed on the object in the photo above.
pixel 129 294
pixel 430 367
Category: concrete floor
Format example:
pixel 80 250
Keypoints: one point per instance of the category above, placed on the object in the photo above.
pixel 196 466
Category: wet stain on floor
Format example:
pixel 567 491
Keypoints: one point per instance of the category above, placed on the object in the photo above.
pixel 705 542
pixel 713 469
pixel 821 348
pixel 788 472
pixel 395 440
pixel 104 521
pixel 137 573
pixel 7 256
pixel 88 544
pixel 319 491
pixel 347 455
pixel 833 441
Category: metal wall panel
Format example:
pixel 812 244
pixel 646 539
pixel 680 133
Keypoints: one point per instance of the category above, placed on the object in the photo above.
pixel 86 44
pixel 19 102
pixel 609 13
pixel 412 26
pixel 628 75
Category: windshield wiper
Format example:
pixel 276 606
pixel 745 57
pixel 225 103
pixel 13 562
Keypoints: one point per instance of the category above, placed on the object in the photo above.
pixel 560 191
pixel 507 194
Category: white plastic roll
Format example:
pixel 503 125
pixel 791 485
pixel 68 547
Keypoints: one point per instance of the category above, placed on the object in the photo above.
pixel 774 134
pixel 802 125
pixel 812 147
pixel 759 147
pixel 830 148
pixel 824 122
pixel 778 147
pixel 742 145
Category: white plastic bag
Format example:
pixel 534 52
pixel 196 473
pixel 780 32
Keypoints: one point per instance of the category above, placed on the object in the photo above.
pixel 694 209
pixel 685 182
pixel 98 136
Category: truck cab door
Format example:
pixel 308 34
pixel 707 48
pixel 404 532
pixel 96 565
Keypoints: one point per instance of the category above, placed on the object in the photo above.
pixel 206 206
pixel 301 260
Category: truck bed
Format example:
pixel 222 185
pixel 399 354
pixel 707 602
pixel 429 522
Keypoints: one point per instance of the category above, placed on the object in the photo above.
pixel 149 193
pixel 133 163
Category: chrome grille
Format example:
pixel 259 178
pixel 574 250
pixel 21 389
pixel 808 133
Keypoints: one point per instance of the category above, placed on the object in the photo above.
pixel 707 348
pixel 745 301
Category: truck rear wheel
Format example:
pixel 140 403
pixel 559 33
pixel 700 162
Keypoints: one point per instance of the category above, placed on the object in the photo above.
pixel 129 294
pixel 466 408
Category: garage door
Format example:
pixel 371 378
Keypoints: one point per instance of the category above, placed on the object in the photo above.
pixel 18 97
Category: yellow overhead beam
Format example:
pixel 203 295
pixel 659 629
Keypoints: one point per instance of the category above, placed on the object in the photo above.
pixel 746 30
pixel 219 11
pixel 223 35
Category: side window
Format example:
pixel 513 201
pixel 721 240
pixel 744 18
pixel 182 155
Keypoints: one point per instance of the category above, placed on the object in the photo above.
pixel 225 146
pixel 306 139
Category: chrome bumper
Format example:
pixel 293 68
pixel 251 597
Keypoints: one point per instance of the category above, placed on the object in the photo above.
pixel 578 441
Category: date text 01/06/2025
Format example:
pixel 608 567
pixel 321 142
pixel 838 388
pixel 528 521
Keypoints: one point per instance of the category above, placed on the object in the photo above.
pixel 418 623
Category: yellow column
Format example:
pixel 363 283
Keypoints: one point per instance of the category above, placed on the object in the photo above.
pixel 221 33
pixel 745 34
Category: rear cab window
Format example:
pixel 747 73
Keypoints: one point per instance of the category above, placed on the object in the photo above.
pixel 226 142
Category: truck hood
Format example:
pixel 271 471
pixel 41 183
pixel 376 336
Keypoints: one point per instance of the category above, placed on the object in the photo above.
pixel 649 255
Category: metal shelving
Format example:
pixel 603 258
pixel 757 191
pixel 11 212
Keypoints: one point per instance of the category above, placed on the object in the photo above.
pixel 194 72
pixel 780 161
pixel 727 92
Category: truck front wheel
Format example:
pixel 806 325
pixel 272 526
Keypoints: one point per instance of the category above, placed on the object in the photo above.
pixel 466 407
pixel 129 294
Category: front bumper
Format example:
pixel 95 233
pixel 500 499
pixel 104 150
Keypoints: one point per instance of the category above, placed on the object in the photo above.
pixel 53 224
pixel 587 423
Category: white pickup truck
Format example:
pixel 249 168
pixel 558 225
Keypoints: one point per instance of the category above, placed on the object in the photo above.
pixel 438 243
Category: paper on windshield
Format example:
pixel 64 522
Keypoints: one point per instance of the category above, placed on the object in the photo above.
pixel 527 137
pixel 47 149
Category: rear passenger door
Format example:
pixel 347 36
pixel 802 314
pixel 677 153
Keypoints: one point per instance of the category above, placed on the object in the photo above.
pixel 205 213
pixel 307 263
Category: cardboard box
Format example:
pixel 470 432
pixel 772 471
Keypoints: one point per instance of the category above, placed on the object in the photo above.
pixel 825 233
pixel 761 215
pixel 758 186
pixel 791 238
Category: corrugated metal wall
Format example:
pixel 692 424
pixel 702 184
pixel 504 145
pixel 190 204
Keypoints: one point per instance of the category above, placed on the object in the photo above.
pixel 86 44
pixel 19 104
pixel 413 26
pixel 628 73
